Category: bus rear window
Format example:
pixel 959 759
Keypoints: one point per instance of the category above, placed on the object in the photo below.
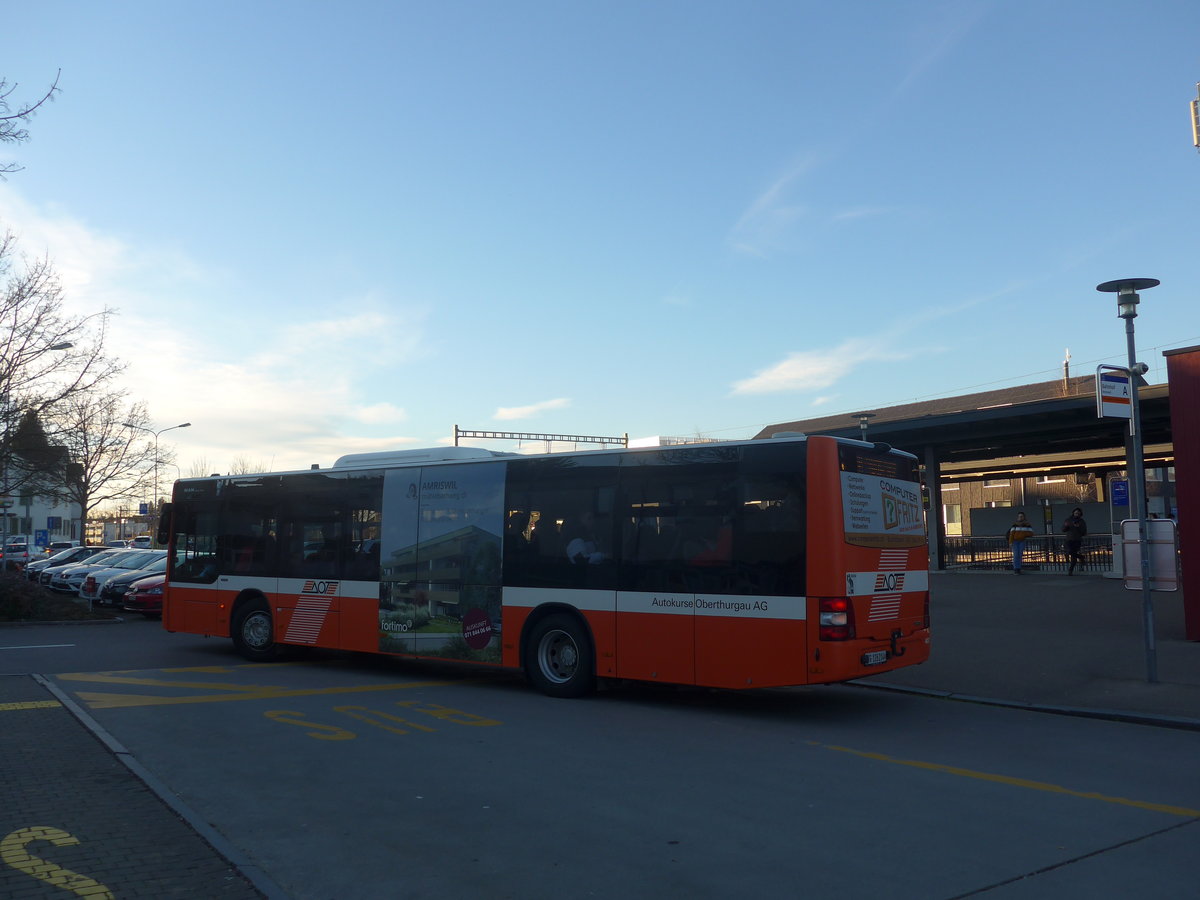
pixel 881 498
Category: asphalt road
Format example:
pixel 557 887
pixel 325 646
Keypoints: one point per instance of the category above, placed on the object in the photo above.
pixel 359 777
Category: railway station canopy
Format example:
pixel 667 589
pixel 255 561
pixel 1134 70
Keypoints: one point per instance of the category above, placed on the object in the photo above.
pixel 1027 430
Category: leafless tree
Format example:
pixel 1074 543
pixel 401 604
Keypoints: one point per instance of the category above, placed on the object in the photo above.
pixel 46 356
pixel 199 468
pixel 105 460
pixel 13 120
pixel 243 466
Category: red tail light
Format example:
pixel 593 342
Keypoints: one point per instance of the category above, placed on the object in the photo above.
pixel 837 619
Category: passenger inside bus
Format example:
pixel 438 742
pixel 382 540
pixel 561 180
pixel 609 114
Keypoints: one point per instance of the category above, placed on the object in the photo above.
pixel 580 536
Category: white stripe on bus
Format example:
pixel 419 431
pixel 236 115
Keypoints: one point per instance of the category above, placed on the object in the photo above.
pixel 662 602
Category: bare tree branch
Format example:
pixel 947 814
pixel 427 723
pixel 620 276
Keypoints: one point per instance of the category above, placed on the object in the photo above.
pixel 12 123
pixel 105 460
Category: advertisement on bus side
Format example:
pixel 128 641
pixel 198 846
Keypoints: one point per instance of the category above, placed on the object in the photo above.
pixel 439 591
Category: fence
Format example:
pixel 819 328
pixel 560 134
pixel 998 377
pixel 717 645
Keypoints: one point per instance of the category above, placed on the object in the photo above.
pixel 1043 552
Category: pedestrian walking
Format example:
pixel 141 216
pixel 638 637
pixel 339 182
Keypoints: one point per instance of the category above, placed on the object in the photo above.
pixel 1075 528
pixel 1017 536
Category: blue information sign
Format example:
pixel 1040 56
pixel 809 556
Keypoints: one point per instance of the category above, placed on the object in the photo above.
pixel 1120 493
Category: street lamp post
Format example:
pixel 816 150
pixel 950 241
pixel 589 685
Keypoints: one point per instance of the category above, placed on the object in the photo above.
pixel 156 434
pixel 863 418
pixel 1127 303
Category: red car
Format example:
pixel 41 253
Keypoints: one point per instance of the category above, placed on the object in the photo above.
pixel 145 596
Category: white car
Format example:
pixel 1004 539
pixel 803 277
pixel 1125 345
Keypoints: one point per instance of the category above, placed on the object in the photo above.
pixel 141 542
pixel 16 555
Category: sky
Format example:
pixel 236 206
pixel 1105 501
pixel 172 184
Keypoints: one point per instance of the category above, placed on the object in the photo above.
pixel 330 228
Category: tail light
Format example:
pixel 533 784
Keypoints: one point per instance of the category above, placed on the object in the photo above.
pixel 926 609
pixel 837 619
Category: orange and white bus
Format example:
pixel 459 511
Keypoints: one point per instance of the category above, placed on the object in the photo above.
pixel 747 564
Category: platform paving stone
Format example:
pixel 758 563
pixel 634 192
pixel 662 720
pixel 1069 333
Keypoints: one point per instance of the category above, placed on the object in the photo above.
pixel 76 822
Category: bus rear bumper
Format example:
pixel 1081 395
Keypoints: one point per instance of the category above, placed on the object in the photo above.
pixel 833 661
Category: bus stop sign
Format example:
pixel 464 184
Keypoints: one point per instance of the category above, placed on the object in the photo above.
pixel 1113 393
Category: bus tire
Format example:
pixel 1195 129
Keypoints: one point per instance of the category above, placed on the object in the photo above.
pixel 559 658
pixel 253 632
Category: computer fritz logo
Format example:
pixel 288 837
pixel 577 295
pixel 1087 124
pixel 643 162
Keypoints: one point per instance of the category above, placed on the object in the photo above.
pixel 321 588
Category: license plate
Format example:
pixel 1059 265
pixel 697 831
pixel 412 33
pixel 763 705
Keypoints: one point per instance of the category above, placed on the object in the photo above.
pixel 875 658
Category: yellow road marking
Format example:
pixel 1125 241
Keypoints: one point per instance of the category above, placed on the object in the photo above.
pixel 98 700
pixel 103 678
pixel 1017 782
pixel 13 853
pixel 29 704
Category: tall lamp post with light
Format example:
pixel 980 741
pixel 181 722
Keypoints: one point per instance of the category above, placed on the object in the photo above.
pixel 156 434
pixel 1127 303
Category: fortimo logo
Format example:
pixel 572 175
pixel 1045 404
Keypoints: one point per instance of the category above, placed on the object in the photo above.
pixel 325 588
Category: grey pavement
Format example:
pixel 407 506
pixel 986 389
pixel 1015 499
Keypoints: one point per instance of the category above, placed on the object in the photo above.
pixel 1063 644
pixel 79 815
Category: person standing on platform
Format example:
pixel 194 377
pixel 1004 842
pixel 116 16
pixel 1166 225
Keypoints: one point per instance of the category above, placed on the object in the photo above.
pixel 1075 528
pixel 1017 536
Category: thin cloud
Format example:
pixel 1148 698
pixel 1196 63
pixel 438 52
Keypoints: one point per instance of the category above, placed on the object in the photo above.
pixel 765 224
pixel 815 370
pixel 509 413
pixel 380 414
pixel 936 39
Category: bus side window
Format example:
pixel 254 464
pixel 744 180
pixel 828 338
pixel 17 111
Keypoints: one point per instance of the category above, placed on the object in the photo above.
pixel 580 497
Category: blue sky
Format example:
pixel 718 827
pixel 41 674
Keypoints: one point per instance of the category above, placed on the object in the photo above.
pixel 347 227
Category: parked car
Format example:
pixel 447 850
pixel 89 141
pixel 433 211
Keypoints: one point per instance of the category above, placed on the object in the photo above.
pixel 59 546
pixel 129 561
pixel 145 596
pixel 141 542
pixel 34 570
pixel 68 579
pixel 117 543
pixel 15 555
pixel 111 591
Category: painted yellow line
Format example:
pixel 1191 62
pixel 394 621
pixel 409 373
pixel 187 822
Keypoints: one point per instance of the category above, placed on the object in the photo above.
pixel 106 678
pixel 1018 782
pixel 30 704
pixel 97 700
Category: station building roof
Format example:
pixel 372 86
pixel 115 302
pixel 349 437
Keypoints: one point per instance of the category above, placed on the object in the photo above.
pixel 1028 429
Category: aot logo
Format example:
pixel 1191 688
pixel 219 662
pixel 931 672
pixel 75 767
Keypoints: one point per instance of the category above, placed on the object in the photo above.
pixel 324 588
pixel 889 581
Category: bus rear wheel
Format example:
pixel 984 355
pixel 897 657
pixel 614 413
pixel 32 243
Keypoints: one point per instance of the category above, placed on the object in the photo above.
pixel 254 633
pixel 559 658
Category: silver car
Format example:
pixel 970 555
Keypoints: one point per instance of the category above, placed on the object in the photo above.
pixel 68 579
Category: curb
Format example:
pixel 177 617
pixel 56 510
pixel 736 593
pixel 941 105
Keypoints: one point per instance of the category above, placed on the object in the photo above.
pixel 1111 715
pixel 249 870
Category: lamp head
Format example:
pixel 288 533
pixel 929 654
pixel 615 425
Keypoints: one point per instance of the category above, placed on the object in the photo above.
pixel 1126 290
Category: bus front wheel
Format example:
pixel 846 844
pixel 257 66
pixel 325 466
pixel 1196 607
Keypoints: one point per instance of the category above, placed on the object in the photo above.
pixel 559 659
pixel 254 632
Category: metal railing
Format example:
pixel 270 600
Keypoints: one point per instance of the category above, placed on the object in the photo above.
pixel 1043 552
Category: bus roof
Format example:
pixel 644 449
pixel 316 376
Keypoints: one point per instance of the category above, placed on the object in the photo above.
pixel 416 457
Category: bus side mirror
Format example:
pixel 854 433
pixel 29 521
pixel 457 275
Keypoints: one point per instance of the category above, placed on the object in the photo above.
pixel 164 525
